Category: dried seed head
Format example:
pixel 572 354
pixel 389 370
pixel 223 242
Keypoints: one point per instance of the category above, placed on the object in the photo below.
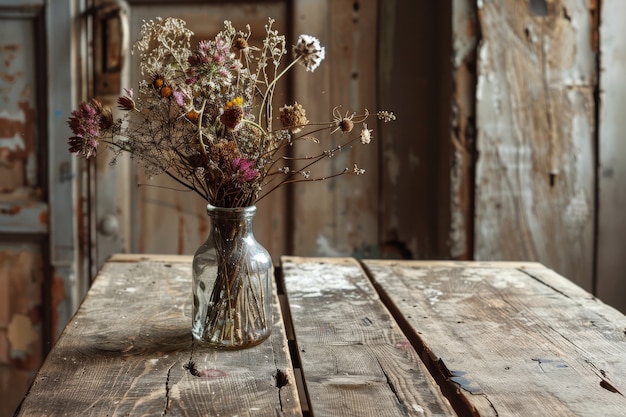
pixel 125 103
pixel 241 43
pixel 309 49
pixel 293 117
pixel 346 125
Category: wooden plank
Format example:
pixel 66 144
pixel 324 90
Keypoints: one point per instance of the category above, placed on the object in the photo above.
pixel 463 128
pixel 611 262
pixel 415 155
pixel 136 257
pixel 355 360
pixel 513 341
pixel 346 78
pixel 535 120
pixel 129 351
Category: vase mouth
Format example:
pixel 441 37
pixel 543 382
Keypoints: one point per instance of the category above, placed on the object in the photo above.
pixel 248 210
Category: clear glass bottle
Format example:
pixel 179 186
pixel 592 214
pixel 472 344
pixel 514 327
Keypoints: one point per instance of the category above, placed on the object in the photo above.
pixel 232 283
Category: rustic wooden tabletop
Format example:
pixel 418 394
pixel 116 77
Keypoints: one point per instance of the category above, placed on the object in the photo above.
pixel 372 338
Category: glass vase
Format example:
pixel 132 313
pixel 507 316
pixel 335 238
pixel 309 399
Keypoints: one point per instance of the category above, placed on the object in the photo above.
pixel 232 283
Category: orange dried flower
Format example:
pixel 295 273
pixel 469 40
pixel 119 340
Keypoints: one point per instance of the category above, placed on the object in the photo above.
pixel 166 91
pixel 192 115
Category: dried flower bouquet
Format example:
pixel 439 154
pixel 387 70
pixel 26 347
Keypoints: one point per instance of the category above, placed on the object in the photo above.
pixel 204 116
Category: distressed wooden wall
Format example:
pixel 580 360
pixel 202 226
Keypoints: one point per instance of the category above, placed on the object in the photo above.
pixel 23 207
pixel 535 173
pixel 21 321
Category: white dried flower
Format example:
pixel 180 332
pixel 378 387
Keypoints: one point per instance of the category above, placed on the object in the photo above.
pixel 386 116
pixel 358 171
pixel 366 134
pixel 310 52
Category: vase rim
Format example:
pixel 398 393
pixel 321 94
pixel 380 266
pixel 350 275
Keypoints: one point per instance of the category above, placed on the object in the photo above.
pixel 245 210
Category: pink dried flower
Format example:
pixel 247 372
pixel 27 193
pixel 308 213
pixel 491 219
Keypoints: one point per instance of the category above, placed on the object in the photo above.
pixel 85 123
pixel 244 169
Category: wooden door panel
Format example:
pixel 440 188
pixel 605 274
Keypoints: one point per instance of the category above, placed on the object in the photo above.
pixel 23 204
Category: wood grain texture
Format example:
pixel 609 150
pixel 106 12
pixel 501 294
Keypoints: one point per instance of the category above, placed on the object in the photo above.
pixel 535 121
pixel 129 351
pixel 520 341
pixel 355 360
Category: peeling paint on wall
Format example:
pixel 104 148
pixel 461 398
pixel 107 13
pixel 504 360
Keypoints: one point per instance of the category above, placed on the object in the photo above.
pixel 21 278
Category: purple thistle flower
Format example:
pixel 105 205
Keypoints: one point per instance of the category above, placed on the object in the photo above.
pixel 86 122
pixel 244 169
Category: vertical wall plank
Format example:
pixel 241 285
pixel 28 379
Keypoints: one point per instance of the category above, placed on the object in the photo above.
pixel 463 127
pixel 338 216
pixel 611 285
pixel 415 83
pixel 535 119
pixel 353 65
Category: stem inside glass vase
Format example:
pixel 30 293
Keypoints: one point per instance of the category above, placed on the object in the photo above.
pixel 232 284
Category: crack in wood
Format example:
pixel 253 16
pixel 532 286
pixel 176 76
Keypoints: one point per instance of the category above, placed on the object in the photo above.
pixel 607 386
pixel 538 363
pixel 281 380
pixel 168 401
pixel 391 386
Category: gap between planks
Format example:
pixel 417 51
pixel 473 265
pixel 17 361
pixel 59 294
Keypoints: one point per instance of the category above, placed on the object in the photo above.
pixel 437 369
pixel 290 334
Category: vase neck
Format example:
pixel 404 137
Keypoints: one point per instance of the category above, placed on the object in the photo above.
pixel 231 213
pixel 230 222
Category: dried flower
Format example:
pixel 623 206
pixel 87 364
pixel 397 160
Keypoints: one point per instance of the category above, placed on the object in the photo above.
pixel 346 125
pixel 86 123
pixel 293 117
pixel 309 49
pixel 126 102
pixel 241 43
pixel 366 135
pixel 386 116
pixel 204 115
pixel 358 171
pixel 233 113
pixel 244 169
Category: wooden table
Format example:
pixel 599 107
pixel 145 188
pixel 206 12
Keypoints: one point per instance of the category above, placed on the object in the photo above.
pixel 378 338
